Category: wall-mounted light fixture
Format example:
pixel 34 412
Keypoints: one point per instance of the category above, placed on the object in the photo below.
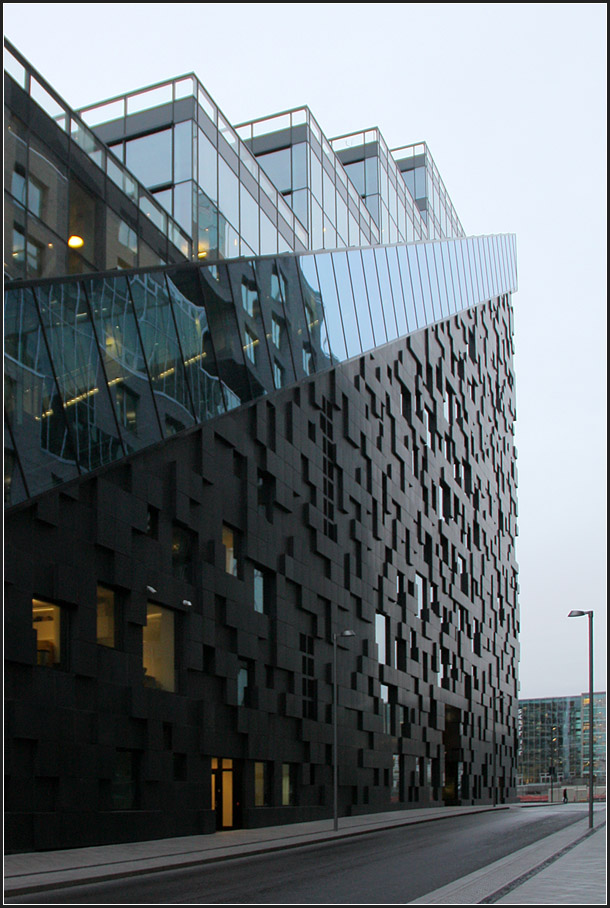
pixel 76 242
pixel 151 589
pixel 187 602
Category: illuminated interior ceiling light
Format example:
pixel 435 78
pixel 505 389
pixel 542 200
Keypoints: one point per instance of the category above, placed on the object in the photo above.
pixel 75 242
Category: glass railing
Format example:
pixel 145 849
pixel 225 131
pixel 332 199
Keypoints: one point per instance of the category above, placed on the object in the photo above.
pixel 70 122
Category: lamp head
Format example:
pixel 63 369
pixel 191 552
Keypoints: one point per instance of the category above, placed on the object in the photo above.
pixel 577 613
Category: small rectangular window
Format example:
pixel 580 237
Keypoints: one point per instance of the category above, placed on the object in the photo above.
pixel 259 591
pixel 47 622
pixel 261 785
pixel 158 648
pixel 288 788
pixel 106 616
pixel 229 543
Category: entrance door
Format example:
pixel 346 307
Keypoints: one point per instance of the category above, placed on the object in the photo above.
pixel 225 795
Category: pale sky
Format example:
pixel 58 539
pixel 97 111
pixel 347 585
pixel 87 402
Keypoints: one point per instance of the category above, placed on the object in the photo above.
pixel 511 99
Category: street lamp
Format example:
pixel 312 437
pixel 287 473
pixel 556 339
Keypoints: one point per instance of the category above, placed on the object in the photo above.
pixel 577 613
pixel 346 633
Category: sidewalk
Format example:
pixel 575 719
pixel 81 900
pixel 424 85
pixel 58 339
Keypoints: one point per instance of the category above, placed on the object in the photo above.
pixel 569 875
pixel 565 868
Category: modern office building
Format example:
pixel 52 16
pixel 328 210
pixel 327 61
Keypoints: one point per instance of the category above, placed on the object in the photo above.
pixel 295 420
pixel 554 739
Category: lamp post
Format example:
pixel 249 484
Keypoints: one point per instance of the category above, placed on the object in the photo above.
pixel 346 633
pixel 577 613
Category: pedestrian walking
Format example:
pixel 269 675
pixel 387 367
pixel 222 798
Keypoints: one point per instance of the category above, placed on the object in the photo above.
pixel 565 796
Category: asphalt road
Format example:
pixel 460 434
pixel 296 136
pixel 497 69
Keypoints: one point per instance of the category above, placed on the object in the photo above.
pixel 388 867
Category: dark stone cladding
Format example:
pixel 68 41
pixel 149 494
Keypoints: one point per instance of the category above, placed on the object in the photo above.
pixel 341 489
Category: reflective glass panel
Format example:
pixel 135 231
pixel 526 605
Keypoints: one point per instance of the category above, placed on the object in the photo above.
pixel 302 316
pixel 224 337
pixel 276 165
pixel 299 166
pixel 429 302
pixel 272 290
pixel 249 220
pixel 411 277
pixel 80 376
pixel 165 366
pixel 268 237
pixel 471 292
pixel 252 330
pixel 379 312
pixel 124 363
pixel 346 304
pixel 404 324
pixel 361 302
pixel 445 264
pixel 183 205
pixel 455 276
pixel 313 298
pixel 183 151
pixel 387 297
pixel 194 333
pixel 208 165
pixel 228 193
pixel 330 304
pixel 150 158
pixel 437 279
pixel 15 489
pixel 32 402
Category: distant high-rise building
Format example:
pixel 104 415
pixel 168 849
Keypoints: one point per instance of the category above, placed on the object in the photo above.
pixel 259 391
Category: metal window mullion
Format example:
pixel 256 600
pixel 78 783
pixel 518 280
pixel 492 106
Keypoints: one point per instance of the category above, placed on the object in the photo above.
pixel 201 290
pixel 180 350
pixel 54 374
pixel 103 366
pixel 137 324
pixel 262 318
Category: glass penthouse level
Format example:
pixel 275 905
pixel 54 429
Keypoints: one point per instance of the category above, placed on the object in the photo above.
pixel 296 155
pixel 176 140
pixel 70 205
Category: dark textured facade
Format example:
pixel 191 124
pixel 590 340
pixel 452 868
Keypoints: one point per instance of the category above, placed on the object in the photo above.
pixel 189 528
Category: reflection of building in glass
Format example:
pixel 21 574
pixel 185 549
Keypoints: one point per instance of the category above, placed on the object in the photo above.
pixel 554 739
pixel 70 204
pixel 297 421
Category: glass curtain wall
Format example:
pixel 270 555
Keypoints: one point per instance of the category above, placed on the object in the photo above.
pixel 104 366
